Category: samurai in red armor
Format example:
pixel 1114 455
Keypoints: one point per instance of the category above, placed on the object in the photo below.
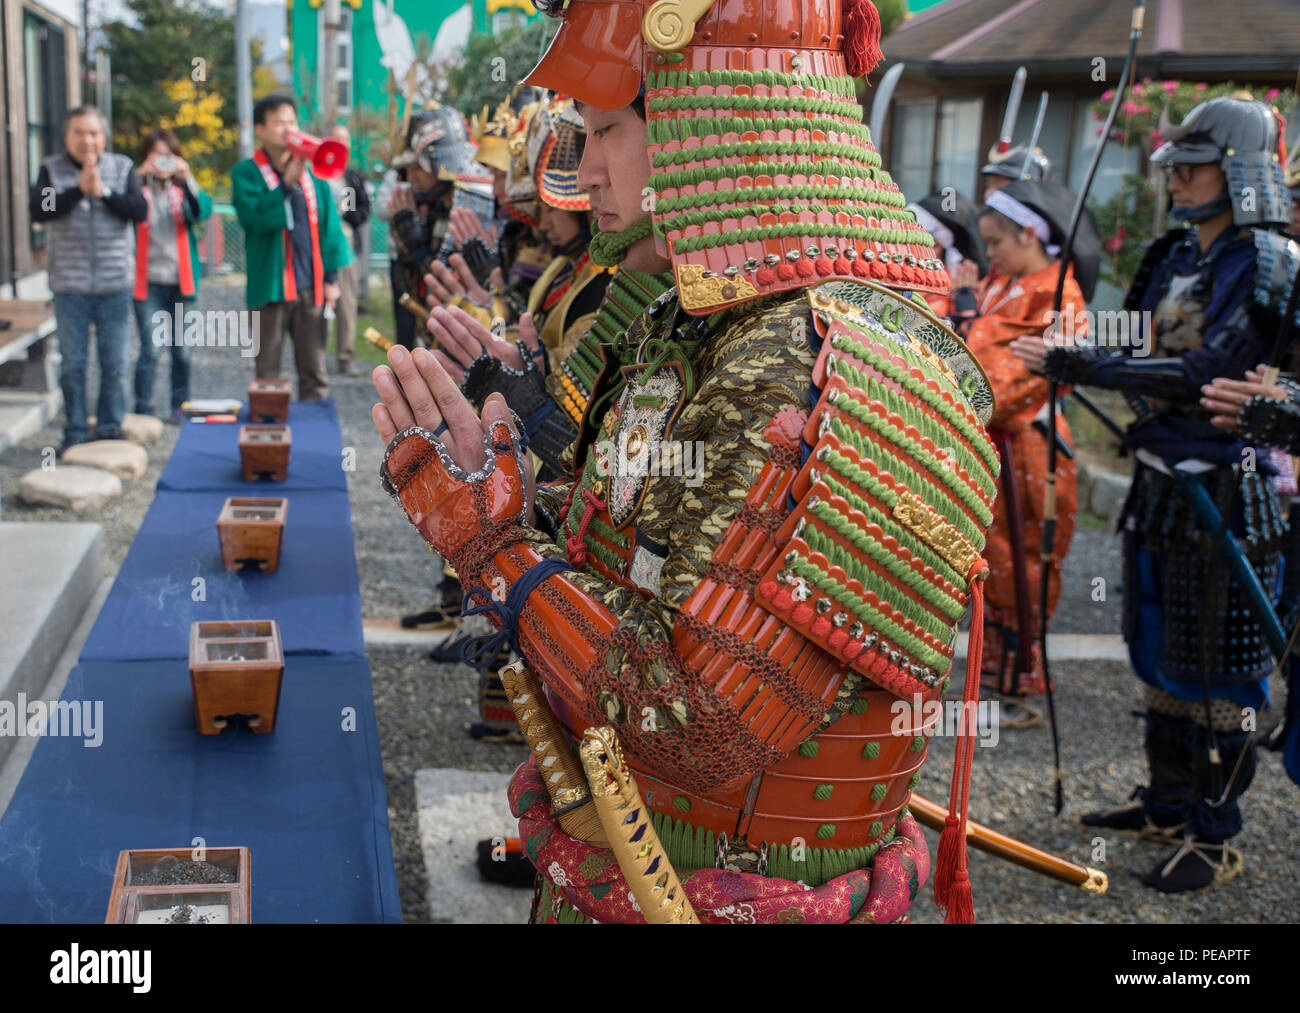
pixel 754 575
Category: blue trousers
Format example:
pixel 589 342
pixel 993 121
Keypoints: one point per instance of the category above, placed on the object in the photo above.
pixel 73 315
pixel 161 299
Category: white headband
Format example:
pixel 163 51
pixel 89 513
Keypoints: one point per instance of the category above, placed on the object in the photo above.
pixel 1022 216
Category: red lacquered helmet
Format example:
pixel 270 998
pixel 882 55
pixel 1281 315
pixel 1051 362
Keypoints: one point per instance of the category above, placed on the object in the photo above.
pixel 765 177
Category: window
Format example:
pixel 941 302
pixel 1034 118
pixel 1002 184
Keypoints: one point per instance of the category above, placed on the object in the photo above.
pixel 46 82
pixel 1117 160
pixel 936 144
pixel 956 146
pixel 912 152
pixel 343 69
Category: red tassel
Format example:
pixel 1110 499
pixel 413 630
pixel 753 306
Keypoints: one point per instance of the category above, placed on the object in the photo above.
pixel 768 589
pixel 952 887
pixel 947 861
pixel 861 24
pixel 785 272
pixel 801 615
pixel 961 906
pixel 805 268
pixel 766 276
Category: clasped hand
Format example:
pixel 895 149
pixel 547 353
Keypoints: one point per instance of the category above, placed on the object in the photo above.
pixel 416 391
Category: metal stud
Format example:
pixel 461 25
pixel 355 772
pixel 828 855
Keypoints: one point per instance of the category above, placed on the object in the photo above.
pixel 731 270
pixel 839 619
pixel 790 557
pixel 751 265
pixel 792 255
pixel 855 631
pixel 772 259
pixel 823 606
pixel 811 251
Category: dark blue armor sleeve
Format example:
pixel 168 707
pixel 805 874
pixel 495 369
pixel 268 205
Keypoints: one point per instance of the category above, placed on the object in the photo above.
pixel 1232 342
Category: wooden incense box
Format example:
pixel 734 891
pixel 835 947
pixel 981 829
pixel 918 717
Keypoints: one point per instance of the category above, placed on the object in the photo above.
pixel 264 451
pixel 251 531
pixel 268 400
pixel 236 668
pixel 181 886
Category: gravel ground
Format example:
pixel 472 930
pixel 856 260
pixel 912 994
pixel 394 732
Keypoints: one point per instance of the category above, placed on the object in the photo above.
pixel 423 709
pixel 1102 759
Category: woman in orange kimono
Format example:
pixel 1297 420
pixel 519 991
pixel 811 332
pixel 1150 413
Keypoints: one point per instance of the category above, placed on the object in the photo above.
pixel 1023 227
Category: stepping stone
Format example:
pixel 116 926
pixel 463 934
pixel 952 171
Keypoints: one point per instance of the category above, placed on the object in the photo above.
pixel 141 428
pixel 1108 493
pixel 458 808
pixel 122 457
pixel 70 486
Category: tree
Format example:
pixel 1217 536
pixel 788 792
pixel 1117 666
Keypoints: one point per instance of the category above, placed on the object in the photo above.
pixel 493 65
pixel 892 14
pixel 174 66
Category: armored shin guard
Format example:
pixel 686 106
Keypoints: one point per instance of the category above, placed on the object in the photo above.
pixel 1185 782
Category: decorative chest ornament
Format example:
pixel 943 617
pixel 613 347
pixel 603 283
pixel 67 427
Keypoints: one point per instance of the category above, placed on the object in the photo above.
pixel 181 886
pixel 236 668
pixel 268 399
pixel 264 452
pixel 251 531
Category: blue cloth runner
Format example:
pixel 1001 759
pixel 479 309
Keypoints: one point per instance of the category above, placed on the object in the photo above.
pixel 206 458
pixel 314 595
pixel 307 799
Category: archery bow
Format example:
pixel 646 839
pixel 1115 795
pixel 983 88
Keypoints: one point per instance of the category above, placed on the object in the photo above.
pixel 1049 506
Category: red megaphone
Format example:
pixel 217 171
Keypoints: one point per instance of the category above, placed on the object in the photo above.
pixel 328 158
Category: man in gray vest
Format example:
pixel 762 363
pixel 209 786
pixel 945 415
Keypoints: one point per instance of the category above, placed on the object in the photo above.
pixel 91 201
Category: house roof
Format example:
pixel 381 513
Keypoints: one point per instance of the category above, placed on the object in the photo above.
pixel 976 37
